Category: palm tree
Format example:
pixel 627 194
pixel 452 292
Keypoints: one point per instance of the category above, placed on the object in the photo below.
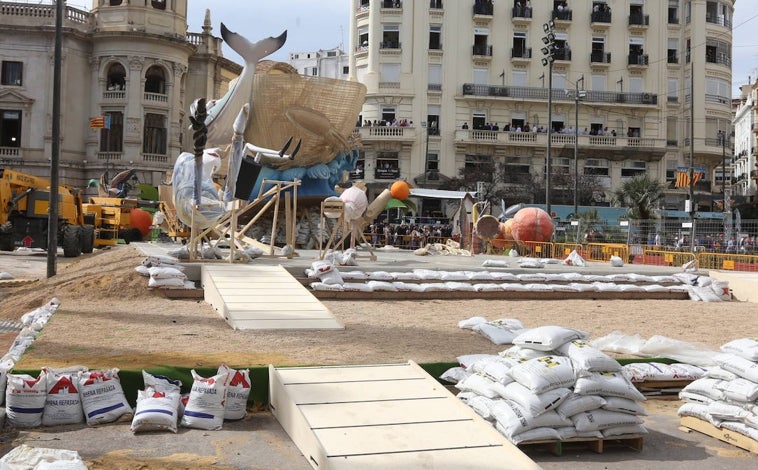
pixel 641 196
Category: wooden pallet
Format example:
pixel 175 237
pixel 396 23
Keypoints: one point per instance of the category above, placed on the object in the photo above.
pixel 690 423
pixel 631 441
pixel 662 389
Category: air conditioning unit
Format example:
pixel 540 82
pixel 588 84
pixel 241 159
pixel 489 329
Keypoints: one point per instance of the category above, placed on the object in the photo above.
pixel 648 98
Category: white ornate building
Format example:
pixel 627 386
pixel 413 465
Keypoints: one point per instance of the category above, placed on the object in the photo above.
pixel 130 61
pixel 745 146
pixel 474 62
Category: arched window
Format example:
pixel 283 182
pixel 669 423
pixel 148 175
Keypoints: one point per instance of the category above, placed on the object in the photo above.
pixel 116 77
pixel 155 80
pixel 159 4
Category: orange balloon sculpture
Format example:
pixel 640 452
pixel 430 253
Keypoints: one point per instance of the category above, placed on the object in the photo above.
pixel 141 220
pixel 400 190
pixel 532 224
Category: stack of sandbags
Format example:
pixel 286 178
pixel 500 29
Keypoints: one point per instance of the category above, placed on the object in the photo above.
pixel 727 397
pixel 549 385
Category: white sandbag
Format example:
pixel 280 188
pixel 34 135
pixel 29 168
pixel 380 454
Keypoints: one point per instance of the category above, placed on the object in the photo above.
pixel 703 294
pixel 575 404
pixel 470 323
pixel 381 286
pixel 237 392
pixel 536 434
pixel 548 338
pixel 427 274
pixel 478 275
pixel 467 360
pixel 26 457
pixel 531 263
pixel 354 275
pixel 687 371
pixel 503 276
pixel 598 420
pixel 739 389
pixel 161 383
pixel 320 286
pixel 616 261
pixel 544 373
pixel 531 277
pixel 513 253
pixel 102 397
pixel 481 405
pixel 495 369
pixel 478 384
pixel 407 286
pixel 453 276
pixel 513 420
pixel 624 405
pixel 716 372
pixel 721 289
pixel 613 384
pixel 513 287
pixel 63 404
pixel 166 282
pixel 726 411
pixel 525 353
pixel 744 347
pixel 454 375
pixel 574 259
pixel 535 403
pixel 488 287
pixel 642 371
pixel 4 368
pixel 501 331
pixel 156 411
pixel 25 399
pixel 459 286
pixel 707 387
pixel 625 430
pixel 433 287
pixel 164 272
pixel 380 276
pixel 739 365
pixel 538 287
pixel 161 260
pixel 695 398
pixel 205 407
pixel 143 270
pixel 495 263
pixel 699 411
pixel 586 358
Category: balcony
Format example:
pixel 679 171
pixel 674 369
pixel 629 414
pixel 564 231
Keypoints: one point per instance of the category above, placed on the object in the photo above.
pixel 600 18
pixel 718 20
pixel 395 45
pixel 520 14
pixel 639 60
pixel 109 156
pixel 118 95
pixel 155 98
pixel 720 58
pixel 519 53
pixel 482 9
pixel 386 133
pixel 563 53
pixel 561 15
pixel 154 158
pixel 435 4
pixel 540 94
pixel 638 20
pixel 600 58
pixel 392 4
pixel 10 152
pixel 482 51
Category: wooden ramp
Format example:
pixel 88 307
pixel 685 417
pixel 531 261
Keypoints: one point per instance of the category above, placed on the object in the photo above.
pixel 384 416
pixel 255 297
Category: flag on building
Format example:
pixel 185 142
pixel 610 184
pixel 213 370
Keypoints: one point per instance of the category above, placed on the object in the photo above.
pixel 100 122
pixel 682 178
pixel 697 175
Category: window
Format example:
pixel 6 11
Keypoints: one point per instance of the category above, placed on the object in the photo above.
pixel 12 73
pixel 115 3
pixel 331 53
pixel 673 12
pixel 314 71
pixel 155 134
pixel 435 38
pixel 155 81
pixel 633 168
pixel 346 70
pixel 481 36
pixel 518 78
pixel 635 85
pixel 391 37
pixel 433 165
pixel 478 120
pixel 433 118
pixel 387 165
pixel 598 83
pixel 717 90
pixel 481 76
pixel 360 166
pixel 596 167
pixel 671 166
pixel 360 73
pixel 388 114
pixel 116 77
pixel 671 134
pixel 159 4
pixel 390 73
pixel 112 137
pixel 519 46
pixel 10 128
pixel 517 170
pixel 559 81
pixel 476 161
pixel 673 90
pixel 435 76
pixel 363 38
pixel 673 51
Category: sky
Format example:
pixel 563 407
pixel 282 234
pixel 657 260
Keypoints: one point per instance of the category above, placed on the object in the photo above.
pixel 744 44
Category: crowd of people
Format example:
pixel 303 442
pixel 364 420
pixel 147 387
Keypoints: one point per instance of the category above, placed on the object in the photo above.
pixel 408 236
pixel 383 123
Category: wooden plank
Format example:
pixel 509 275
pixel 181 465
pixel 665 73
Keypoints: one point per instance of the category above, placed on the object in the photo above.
pixel 373 413
pixel 479 458
pixel 281 324
pixel 348 373
pixel 343 392
pixel 271 314
pixel 725 435
pixel 631 441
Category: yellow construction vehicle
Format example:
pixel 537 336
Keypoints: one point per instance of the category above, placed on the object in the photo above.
pixel 111 217
pixel 24 209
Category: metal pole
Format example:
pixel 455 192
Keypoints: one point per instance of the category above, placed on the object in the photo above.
pixel 722 134
pixel 549 135
pixel 576 148
pixel 692 153
pixel 52 220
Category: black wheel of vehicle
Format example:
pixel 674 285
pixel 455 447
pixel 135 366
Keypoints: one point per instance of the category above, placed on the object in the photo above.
pixel 130 235
pixel 72 241
pixel 6 242
pixel 88 238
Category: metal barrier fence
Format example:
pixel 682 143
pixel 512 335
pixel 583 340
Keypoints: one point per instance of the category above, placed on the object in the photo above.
pixel 728 261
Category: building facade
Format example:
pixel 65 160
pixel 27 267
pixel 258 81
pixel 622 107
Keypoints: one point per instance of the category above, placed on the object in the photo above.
pixel 131 62
pixel 331 63
pixel 746 145
pixel 469 74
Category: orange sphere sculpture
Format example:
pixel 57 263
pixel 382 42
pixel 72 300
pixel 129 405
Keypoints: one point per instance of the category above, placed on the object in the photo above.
pixel 532 224
pixel 400 190
pixel 141 220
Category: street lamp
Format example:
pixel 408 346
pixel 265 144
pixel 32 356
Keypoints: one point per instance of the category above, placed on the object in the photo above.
pixel 722 138
pixel 577 96
pixel 547 60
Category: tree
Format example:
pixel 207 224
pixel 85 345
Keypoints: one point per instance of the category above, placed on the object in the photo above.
pixel 641 196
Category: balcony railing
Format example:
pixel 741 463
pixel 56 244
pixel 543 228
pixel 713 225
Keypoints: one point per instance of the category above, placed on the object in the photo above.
pixel 154 158
pixel 392 4
pixel 600 17
pixel 156 97
pixel 522 12
pixel 718 58
pixel 638 19
pixel 719 20
pixel 521 53
pixel 638 59
pixel 600 57
pixel 564 15
pixel 672 57
pixel 563 53
pixel 9 152
pixel 386 132
pixel 541 94
pixel 389 45
pixel 114 95
pixel 109 156
pixel 539 139
pixel 483 9
pixel 482 51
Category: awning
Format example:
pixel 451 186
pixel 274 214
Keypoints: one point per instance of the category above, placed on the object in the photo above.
pixel 439 193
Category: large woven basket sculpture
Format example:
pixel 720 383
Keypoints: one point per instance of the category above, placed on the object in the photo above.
pixel 320 111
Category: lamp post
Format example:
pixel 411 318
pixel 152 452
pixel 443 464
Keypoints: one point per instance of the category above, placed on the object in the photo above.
pixel 722 138
pixel 577 97
pixel 547 60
